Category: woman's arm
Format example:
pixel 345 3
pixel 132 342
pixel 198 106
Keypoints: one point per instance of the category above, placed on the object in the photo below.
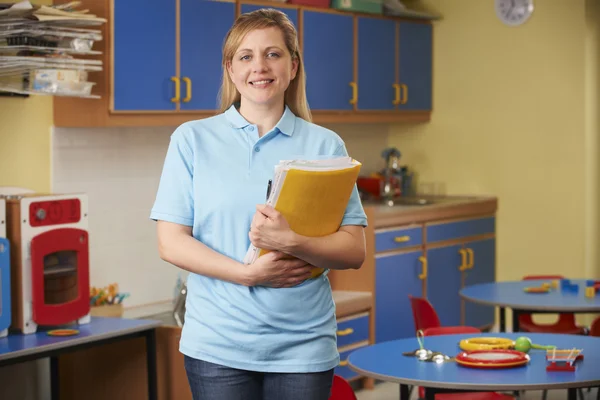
pixel 344 249
pixel 177 246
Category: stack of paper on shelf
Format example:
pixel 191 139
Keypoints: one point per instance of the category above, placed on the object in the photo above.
pixel 312 195
pixel 39 46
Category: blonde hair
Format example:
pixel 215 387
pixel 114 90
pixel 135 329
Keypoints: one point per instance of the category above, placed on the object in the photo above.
pixel 295 95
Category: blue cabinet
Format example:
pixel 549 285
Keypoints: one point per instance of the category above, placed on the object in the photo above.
pixel 144 55
pixel 396 277
pixel 328 51
pixel 444 283
pixel 482 269
pixel 147 74
pixel 204 25
pixel 5 298
pixel 376 63
pixel 415 61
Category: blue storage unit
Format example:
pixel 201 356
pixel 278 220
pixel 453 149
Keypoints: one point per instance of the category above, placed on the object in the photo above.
pixel 5 304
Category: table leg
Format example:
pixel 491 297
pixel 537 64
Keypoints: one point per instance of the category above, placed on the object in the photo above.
pixel 430 393
pixel 502 319
pixel 54 379
pixel 404 392
pixel 572 394
pixel 515 320
pixel 151 364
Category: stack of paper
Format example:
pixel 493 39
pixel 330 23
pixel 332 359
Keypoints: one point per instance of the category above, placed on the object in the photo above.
pixel 312 195
pixel 37 39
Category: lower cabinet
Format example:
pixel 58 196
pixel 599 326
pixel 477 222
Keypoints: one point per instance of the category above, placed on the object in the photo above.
pixel 396 276
pixel 436 264
pixel 352 334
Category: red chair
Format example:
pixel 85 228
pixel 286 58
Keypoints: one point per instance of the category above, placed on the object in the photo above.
pixel 424 314
pixel 451 330
pixel 564 324
pixel 341 389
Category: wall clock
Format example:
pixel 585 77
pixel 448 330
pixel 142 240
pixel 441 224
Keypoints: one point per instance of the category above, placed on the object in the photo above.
pixel 514 12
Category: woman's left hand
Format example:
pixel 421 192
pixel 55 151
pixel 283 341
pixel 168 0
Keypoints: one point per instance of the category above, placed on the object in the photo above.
pixel 270 230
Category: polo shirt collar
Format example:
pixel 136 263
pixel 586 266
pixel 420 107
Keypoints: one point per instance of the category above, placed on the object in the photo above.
pixel 285 125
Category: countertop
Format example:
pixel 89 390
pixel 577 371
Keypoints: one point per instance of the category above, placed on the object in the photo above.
pixel 445 207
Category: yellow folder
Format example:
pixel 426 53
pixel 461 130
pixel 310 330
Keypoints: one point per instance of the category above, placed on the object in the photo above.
pixel 312 195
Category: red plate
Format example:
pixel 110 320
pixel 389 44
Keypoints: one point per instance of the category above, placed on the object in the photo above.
pixel 492 358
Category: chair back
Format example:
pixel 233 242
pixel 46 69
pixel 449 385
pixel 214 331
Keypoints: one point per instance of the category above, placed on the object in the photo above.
pixel 450 330
pixel 595 327
pixel 424 314
pixel 341 389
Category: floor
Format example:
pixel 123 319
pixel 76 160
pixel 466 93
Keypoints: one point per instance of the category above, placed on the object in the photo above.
pixel 390 391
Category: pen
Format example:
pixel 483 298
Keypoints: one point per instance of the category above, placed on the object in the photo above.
pixel 269 188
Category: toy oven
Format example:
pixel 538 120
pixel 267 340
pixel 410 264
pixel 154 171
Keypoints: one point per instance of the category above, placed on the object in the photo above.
pixel 50 260
pixel 4 273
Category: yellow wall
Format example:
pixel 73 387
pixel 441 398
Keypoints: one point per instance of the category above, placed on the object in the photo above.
pixel 510 120
pixel 25 139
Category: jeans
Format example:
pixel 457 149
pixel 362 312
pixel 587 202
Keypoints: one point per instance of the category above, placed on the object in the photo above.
pixel 210 381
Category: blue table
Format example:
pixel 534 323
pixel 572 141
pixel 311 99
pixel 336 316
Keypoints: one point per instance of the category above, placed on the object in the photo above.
pixel 17 348
pixel 385 361
pixel 511 294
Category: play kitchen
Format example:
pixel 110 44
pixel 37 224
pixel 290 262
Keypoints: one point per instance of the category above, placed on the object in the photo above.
pixel 48 236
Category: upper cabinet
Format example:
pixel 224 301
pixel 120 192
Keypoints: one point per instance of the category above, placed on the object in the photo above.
pixel 169 59
pixel 328 53
pixel 166 64
pixel 415 61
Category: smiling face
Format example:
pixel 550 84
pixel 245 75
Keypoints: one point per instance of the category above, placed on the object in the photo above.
pixel 262 67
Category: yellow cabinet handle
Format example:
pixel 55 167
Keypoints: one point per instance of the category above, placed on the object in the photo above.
pixel 188 83
pixel 345 332
pixel 424 272
pixel 402 239
pixel 177 89
pixel 343 363
pixel 472 257
pixel 463 265
pixel 354 93
pixel 405 90
pixel 397 98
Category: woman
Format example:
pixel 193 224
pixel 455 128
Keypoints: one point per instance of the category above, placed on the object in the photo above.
pixel 260 331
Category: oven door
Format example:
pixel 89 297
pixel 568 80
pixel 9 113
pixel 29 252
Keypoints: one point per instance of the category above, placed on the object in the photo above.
pixel 60 276
pixel 4 284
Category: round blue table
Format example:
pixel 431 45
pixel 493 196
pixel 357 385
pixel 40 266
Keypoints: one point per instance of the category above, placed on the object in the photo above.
pixel 384 361
pixel 511 294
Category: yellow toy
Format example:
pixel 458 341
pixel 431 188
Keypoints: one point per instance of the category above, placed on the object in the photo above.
pixel 486 343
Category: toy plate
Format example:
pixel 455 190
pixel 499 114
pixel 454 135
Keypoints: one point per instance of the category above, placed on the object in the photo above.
pixel 63 332
pixel 492 358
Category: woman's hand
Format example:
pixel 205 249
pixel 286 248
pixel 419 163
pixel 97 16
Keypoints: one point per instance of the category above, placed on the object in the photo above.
pixel 269 229
pixel 279 270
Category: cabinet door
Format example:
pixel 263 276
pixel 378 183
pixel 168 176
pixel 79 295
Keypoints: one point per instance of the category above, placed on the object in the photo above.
pixel 376 63
pixel 416 65
pixel 292 13
pixel 204 25
pixel 328 50
pixel 483 271
pixel 444 283
pixel 144 55
pixel 396 277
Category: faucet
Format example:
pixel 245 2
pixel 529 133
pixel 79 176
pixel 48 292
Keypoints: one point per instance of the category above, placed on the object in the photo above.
pixel 392 177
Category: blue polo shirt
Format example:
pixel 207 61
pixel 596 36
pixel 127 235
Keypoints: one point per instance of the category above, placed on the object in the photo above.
pixel 215 173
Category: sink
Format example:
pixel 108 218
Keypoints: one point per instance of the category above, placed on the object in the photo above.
pixel 416 201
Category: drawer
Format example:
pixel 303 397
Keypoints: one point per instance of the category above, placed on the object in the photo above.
pixel 343 369
pixel 398 238
pixel 460 229
pixel 352 330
